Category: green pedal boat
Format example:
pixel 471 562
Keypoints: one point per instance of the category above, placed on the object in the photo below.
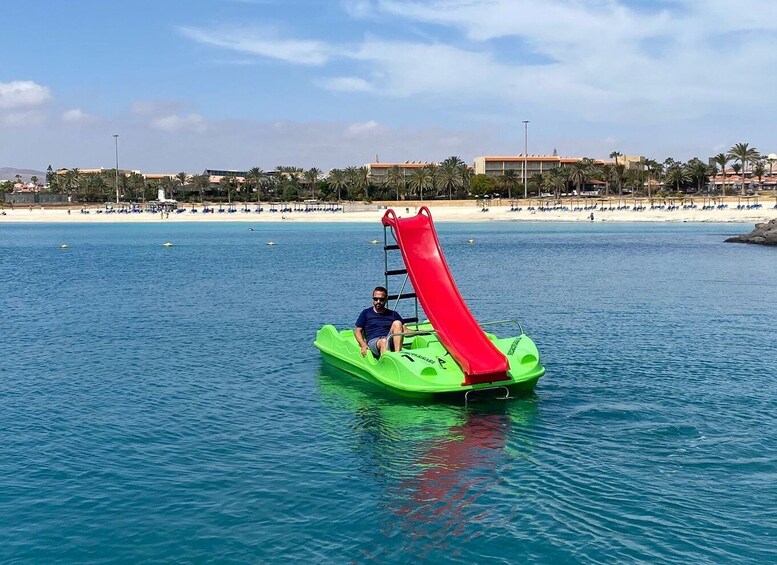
pixel 450 353
pixel 424 368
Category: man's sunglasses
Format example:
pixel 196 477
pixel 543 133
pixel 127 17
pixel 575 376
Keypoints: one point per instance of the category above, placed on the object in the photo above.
pixel 378 299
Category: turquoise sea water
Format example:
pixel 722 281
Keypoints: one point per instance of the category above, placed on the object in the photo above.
pixel 166 404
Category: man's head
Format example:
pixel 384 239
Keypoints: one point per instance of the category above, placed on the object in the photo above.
pixel 379 298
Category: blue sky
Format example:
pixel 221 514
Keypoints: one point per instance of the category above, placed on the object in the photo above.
pixel 241 83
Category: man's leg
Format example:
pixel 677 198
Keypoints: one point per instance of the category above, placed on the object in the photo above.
pixel 374 345
pixel 396 328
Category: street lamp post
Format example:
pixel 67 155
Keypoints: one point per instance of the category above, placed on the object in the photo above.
pixel 116 142
pixel 525 159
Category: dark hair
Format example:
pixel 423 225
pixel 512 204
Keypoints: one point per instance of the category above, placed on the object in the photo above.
pixel 381 289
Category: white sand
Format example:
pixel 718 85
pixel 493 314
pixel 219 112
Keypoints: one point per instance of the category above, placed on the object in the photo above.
pixel 441 211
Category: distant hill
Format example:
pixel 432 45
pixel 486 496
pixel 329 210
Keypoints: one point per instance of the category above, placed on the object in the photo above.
pixel 9 173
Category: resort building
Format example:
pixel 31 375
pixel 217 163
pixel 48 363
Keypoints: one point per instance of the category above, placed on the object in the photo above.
pixel 215 175
pixel 378 171
pixel 125 172
pixel 497 166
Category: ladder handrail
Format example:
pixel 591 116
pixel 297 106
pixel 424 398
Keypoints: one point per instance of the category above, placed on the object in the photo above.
pixel 386 270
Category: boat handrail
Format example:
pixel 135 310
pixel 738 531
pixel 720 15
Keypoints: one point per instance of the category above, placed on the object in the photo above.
pixel 412 333
pixel 516 322
pixel 434 332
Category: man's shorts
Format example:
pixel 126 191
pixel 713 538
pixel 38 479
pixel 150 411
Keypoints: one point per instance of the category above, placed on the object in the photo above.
pixel 373 345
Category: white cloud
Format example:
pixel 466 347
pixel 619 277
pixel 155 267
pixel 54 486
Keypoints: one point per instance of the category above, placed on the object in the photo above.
pixel 22 118
pixel 262 43
pixel 346 84
pixel 362 128
pixel 22 94
pixel 77 116
pixel 154 107
pixel 174 122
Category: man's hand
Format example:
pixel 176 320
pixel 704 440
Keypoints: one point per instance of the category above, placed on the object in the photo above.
pixel 364 350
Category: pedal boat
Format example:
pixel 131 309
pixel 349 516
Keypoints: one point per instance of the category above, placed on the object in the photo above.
pixel 424 369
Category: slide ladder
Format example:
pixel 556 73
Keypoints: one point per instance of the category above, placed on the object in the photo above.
pixel 435 288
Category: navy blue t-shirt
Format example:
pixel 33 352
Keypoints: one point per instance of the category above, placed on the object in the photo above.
pixel 377 325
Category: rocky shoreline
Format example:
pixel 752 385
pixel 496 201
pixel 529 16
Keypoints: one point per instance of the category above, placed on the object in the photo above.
pixel 764 234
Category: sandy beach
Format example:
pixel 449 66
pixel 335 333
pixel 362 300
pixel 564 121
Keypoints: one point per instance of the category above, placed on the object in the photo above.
pixel 442 211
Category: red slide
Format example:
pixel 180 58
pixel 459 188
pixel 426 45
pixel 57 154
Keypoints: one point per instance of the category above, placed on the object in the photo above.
pixel 456 327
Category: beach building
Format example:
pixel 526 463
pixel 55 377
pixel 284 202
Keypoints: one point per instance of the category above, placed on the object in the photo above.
pixel 126 172
pixel 379 171
pixel 496 166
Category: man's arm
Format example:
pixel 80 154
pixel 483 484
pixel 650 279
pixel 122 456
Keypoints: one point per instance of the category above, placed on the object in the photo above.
pixel 359 334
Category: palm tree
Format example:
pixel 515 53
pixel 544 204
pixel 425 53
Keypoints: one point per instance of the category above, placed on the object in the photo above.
pixel 604 174
pixel 181 178
pixel 255 177
pixel 580 173
pixel 358 180
pixel 201 182
pixel 420 179
pixel 556 181
pixel 677 175
pixel 73 181
pixel 337 180
pixel 697 171
pixel 745 154
pixel 618 171
pixel 654 169
pixel 509 180
pixel 228 182
pixel 136 185
pixel 450 174
pixel 466 177
pixel 395 179
pixel 722 160
pixel 759 170
pixel 311 178
pixel 434 175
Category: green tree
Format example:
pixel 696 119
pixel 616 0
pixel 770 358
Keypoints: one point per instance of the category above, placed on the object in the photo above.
pixel 580 173
pixel 358 180
pixel 745 154
pixel 395 180
pixel 618 171
pixel 337 180
pixel 201 184
pixel 421 179
pixel 312 176
pixel 697 170
pixel 72 182
pixel 677 175
pixel 509 181
pixel 466 177
pixel 481 185
pixel 556 181
pixel 182 177
pixel 51 179
pixel 721 159
pixel 450 176
pixel 136 186
pixel 759 170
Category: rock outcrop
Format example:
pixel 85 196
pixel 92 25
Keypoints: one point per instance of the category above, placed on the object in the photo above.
pixel 765 234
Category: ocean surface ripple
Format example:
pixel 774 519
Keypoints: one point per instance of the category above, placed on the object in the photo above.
pixel 166 404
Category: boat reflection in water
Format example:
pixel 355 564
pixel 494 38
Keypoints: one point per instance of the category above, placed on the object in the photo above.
pixel 440 467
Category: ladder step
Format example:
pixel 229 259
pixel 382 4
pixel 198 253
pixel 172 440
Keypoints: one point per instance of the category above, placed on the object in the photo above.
pixel 401 296
pixel 396 272
pixel 390 247
pixel 410 320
